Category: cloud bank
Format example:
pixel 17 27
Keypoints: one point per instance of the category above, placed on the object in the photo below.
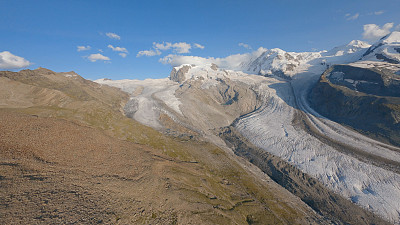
pixel 10 61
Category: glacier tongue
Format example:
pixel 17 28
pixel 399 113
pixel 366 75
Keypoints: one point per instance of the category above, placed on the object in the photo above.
pixel 271 128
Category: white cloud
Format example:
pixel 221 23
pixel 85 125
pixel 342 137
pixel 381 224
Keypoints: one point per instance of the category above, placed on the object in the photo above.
pixel 83 48
pixel 352 17
pixel 148 53
pixel 245 45
pixel 123 55
pixel 230 62
pixel 113 36
pixel 179 47
pixel 162 46
pixel 198 46
pixel 117 49
pixel 98 56
pixel 373 32
pixel 397 28
pixel 10 61
pixel 379 12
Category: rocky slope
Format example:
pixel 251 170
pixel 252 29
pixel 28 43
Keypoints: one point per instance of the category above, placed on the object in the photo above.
pixel 63 137
pixel 366 99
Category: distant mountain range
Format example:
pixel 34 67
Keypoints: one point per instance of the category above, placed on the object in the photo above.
pixel 277 62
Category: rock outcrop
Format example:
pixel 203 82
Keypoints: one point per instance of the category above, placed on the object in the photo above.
pixel 367 99
pixel 178 74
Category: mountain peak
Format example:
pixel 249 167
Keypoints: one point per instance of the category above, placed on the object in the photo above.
pixel 44 70
pixel 358 43
pixel 392 38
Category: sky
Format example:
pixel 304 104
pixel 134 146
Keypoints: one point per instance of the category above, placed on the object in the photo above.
pixel 128 39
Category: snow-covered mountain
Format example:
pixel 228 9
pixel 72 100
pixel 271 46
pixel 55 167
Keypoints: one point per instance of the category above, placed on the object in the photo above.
pixel 207 73
pixel 276 62
pixel 279 62
pixel 287 64
pixel 387 49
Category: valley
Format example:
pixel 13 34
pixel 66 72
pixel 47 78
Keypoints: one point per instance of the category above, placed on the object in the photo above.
pixel 200 112
pixel 275 113
pixel 208 144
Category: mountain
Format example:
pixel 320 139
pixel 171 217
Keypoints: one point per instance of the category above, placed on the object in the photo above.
pixel 277 62
pixel 334 167
pixel 352 47
pixel 387 49
pixel 68 154
pixel 209 103
pixel 367 99
pixel 207 145
pixel 365 94
pixel 287 64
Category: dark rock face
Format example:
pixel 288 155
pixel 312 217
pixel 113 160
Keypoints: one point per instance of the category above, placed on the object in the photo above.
pixel 179 75
pixel 369 81
pixel 386 59
pixel 368 100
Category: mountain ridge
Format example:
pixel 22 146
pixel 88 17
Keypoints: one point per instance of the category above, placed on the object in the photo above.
pixel 277 62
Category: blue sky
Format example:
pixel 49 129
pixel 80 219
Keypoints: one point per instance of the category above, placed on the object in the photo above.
pixel 48 33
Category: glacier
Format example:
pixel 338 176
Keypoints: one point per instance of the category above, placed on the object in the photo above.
pixel 285 81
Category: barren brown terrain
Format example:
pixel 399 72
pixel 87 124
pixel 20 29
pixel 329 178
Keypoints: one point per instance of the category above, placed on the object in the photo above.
pixel 69 156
